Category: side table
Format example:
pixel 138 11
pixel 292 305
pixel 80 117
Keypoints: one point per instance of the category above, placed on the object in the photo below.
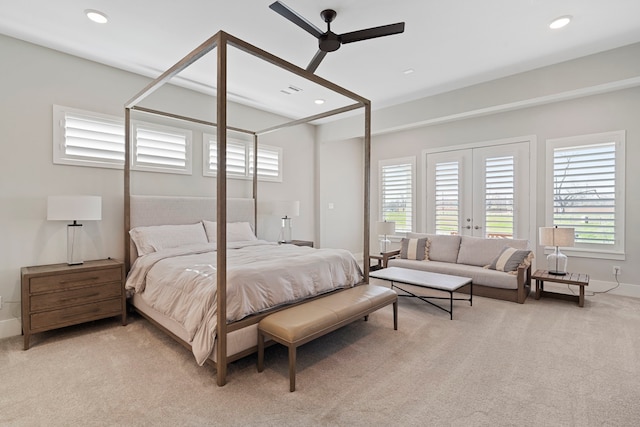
pixel 383 258
pixel 302 243
pixel 575 279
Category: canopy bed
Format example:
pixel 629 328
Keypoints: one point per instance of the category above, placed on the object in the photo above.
pixel 235 331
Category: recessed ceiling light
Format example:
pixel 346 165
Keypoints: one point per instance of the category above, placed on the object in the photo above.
pixel 96 16
pixel 319 101
pixel 408 71
pixel 560 22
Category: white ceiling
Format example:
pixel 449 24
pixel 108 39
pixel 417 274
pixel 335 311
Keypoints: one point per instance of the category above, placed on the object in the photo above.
pixel 449 44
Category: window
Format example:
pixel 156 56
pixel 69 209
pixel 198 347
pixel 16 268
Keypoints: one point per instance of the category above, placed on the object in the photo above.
pixel 586 188
pixel 397 193
pixel 240 159
pixel 85 138
pixel 161 148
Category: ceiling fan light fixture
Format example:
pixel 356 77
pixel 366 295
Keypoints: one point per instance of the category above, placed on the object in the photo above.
pixel 96 16
pixel 560 22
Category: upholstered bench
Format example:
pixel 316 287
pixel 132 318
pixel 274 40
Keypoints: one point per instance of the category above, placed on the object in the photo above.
pixel 302 323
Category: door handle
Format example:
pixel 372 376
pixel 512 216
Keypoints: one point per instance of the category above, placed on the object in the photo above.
pixel 477 227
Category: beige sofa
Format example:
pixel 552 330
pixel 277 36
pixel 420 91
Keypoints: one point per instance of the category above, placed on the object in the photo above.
pixel 469 257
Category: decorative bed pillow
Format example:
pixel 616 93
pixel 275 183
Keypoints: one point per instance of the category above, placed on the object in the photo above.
pixel 236 231
pixel 509 259
pixel 416 249
pixel 156 237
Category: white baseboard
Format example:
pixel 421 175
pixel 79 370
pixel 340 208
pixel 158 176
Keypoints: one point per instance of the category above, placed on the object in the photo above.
pixel 10 328
pixel 625 289
pixel 597 286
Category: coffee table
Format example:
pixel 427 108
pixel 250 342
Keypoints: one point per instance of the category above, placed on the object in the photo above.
pixel 426 279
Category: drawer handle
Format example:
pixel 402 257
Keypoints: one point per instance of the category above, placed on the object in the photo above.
pixel 66 282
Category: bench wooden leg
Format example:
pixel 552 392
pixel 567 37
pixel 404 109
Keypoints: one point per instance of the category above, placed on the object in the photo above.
pixel 395 315
pixel 260 352
pixel 292 368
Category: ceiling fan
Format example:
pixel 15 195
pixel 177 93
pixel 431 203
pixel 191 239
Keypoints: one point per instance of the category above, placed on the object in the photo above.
pixel 329 41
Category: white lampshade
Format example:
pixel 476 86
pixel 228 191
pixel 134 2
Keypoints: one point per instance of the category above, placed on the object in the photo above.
pixel 74 208
pixel 284 208
pixel 386 227
pixel 557 236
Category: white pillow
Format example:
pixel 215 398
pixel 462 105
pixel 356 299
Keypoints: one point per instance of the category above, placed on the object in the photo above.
pixel 154 238
pixel 236 231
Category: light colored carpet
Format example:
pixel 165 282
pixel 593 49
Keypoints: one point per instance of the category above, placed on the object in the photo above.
pixel 546 362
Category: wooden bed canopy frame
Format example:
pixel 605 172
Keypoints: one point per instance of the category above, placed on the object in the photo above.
pixel 221 41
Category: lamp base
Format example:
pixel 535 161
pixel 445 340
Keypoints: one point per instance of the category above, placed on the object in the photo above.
pixel 557 273
pixel 557 263
pixel 285 231
pixel 74 244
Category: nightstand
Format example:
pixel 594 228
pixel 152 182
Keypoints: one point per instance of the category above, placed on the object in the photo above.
pixel 58 295
pixel 301 243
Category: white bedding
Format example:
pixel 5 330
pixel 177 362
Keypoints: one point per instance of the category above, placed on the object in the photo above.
pixel 181 282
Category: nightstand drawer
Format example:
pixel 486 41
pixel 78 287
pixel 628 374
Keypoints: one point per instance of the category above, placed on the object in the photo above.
pixel 73 315
pixel 75 296
pixel 73 280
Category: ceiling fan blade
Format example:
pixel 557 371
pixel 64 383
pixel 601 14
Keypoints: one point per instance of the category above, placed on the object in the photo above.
pixel 371 33
pixel 292 16
pixel 317 59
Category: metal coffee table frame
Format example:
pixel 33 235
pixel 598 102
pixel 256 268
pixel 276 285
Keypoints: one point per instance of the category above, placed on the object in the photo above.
pixel 424 279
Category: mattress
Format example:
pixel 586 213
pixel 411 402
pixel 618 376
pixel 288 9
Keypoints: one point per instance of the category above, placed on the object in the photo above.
pixel 180 283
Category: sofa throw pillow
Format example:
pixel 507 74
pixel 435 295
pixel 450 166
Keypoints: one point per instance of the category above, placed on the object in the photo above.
pixel 416 249
pixel 509 259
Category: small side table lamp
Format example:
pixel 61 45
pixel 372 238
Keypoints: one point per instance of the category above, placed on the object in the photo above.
pixel 385 228
pixel 74 208
pixel 555 236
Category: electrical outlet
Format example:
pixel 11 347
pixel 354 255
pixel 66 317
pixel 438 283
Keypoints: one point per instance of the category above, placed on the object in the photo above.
pixel 616 270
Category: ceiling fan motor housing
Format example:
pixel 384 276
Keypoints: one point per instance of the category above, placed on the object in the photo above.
pixel 329 42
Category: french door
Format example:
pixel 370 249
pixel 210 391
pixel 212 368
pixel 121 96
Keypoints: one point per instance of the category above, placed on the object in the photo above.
pixel 479 192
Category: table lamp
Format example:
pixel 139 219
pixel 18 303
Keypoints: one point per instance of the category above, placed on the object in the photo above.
pixel 385 228
pixel 74 208
pixel 555 236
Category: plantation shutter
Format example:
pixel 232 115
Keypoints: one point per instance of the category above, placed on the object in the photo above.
pixel 236 161
pixel 268 162
pixel 160 147
pixel 584 191
pixel 94 138
pixel 397 195
pixel 499 196
pixel 447 197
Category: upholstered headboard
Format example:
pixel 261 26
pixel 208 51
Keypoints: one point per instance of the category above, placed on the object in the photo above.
pixel 170 210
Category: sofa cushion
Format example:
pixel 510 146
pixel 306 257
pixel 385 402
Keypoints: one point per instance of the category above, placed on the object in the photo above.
pixel 416 249
pixel 441 247
pixel 480 251
pixel 509 259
